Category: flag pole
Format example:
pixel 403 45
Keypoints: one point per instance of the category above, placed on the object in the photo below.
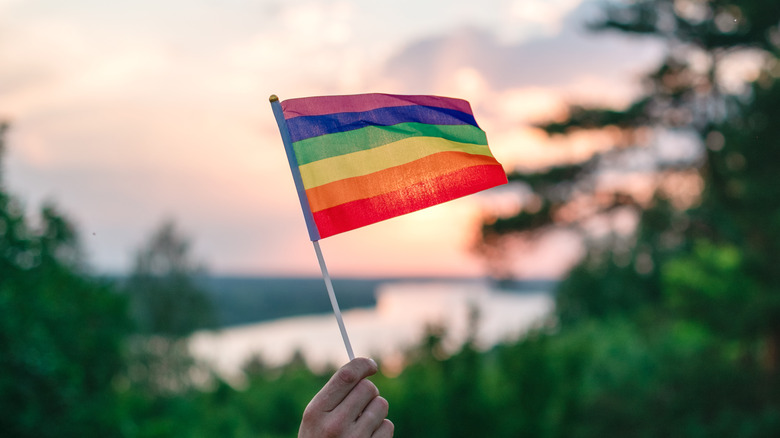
pixel 333 302
pixel 314 234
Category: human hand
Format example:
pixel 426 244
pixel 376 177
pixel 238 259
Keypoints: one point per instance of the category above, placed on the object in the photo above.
pixel 348 405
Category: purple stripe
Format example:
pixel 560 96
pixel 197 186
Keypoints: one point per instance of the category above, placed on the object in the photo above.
pixel 320 105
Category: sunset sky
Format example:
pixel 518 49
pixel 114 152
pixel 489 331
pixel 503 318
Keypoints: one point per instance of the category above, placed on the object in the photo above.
pixel 126 113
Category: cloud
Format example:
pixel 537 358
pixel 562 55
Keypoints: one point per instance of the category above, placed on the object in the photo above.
pixel 529 18
pixel 130 112
pixel 560 61
pixel 512 85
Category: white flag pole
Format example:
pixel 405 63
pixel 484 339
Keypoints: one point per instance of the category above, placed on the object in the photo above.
pixel 310 225
pixel 333 302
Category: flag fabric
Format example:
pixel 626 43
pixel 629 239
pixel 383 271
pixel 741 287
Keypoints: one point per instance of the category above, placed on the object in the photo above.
pixel 361 159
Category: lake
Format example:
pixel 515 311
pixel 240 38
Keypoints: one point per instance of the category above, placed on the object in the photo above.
pixel 398 321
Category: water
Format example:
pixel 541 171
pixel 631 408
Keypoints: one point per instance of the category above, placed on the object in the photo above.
pixel 385 332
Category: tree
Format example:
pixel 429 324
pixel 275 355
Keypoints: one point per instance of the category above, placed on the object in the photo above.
pixel 716 184
pixel 695 281
pixel 3 129
pixel 167 305
pixel 61 332
pixel 166 300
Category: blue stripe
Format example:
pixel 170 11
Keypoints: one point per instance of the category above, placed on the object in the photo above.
pixel 304 127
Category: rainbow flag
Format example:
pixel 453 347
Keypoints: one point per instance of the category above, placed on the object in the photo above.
pixel 361 159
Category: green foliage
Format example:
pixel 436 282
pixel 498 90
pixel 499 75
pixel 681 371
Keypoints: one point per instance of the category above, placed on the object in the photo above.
pixel 588 118
pixel 677 323
pixel 166 304
pixel 275 399
pixel 61 332
pixel 165 297
pixel 435 389
pixel 710 286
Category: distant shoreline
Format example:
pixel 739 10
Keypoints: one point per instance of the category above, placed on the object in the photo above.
pixel 246 299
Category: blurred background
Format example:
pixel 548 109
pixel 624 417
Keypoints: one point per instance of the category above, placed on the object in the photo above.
pixel 156 279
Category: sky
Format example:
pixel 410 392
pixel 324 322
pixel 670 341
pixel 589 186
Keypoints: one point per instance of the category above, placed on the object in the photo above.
pixel 129 113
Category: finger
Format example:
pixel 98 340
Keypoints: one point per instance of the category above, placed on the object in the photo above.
pixel 372 416
pixel 342 382
pixel 357 400
pixel 385 430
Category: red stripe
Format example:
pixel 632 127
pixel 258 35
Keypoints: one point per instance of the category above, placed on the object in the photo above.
pixel 415 197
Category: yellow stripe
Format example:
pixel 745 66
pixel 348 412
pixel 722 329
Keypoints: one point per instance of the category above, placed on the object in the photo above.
pixel 392 154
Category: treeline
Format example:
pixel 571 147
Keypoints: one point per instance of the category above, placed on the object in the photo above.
pixel 238 300
pixel 245 300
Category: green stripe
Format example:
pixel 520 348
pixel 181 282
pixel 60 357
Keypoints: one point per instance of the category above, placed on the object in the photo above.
pixel 342 143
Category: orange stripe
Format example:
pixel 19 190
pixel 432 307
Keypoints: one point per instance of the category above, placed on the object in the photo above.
pixel 415 197
pixel 392 179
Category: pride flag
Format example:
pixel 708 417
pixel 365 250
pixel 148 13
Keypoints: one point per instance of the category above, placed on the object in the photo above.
pixel 361 159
